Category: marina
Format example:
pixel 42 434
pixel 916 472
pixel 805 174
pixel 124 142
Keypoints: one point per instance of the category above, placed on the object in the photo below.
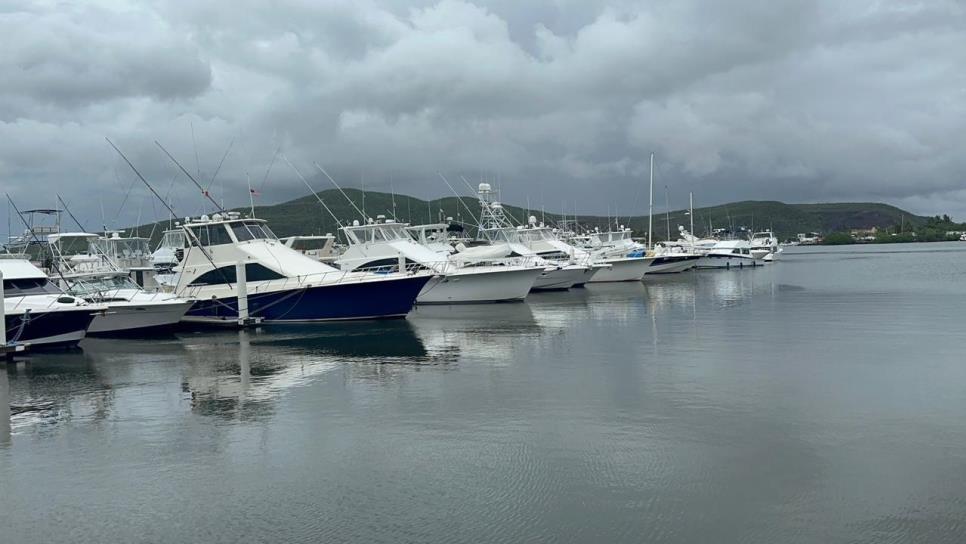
pixel 646 407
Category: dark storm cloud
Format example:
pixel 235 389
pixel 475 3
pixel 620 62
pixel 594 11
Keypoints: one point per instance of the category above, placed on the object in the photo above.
pixel 793 100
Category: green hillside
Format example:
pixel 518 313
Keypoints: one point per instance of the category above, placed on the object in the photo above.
pixel 306 216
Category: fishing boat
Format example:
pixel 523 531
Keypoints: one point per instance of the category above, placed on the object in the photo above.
pixel 37 312
pixel 498 238
pixel 625 259
pixel 545 242
pixel 387 246
pixel 280 284
pixel 85 269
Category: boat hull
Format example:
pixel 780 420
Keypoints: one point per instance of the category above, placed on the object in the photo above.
pixel 559 279
pixel 142 318
pixel 727 261
pixel 625 269
pixel 672 264
pixel 333 302
pixel 61 328
pixel 472 286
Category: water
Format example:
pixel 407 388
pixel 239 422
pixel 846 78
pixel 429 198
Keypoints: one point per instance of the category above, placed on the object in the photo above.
pixel 819 399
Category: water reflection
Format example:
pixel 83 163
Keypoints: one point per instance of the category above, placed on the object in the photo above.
pixel 485 330
pixel 4 405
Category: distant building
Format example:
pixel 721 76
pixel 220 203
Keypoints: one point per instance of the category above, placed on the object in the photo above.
pixel 810 238
pixel 864 235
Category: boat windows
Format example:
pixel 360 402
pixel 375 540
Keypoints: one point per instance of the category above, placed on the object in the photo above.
pixel 226 274
pixel 252 230
pixel 212 235
pixel 29 286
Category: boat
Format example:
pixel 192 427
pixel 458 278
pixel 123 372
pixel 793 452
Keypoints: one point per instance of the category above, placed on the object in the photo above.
pixel 86 270
pixel 281 285
pixel 625 259
pixel 765 246
pixel 385 245
pixel 498 238
pixel 547 244
pixel 36 312
pixel 729 254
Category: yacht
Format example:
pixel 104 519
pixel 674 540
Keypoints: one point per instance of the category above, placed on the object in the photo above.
pixel 729 254
pixel 281 284
pixel 764 246
pixel 36 312
pixel 669 259
pixel 85 270
pixel 498 238
pixel 545 242
pixel 625 258
pixel 385 245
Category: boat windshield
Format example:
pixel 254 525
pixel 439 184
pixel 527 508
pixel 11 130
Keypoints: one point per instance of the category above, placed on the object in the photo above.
pixel 307 244
pixel 101 285
pixel 252 230
pixel 173 239
pixel 28 286
pixel 382 232
pixel 510 235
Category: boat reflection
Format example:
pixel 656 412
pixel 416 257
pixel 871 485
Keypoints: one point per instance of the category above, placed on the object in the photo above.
pixel 61 386
pixel 240 374
pixel 4 406
pixel 483 330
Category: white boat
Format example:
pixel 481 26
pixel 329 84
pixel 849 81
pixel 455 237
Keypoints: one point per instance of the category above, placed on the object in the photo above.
pixel 498 238
pixel 85 270
pixel 282 285
pixel 671 259
pixel 625 258
pixel 385 245
pixel 37 312
pixel 765 246
pixel 545 242
pixel 729 254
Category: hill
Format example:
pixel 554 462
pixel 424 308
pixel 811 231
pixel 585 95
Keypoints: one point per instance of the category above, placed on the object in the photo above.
pixel 306 216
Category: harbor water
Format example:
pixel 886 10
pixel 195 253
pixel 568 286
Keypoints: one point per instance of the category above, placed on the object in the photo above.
pixel 818 399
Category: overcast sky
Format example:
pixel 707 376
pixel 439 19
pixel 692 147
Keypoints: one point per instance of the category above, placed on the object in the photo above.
pixel 559 100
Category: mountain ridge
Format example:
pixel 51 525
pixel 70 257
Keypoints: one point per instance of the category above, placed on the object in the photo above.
pixel 304 215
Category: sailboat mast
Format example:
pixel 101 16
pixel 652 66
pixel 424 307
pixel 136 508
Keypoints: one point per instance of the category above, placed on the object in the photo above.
pixel 650 206
pixel 691 210
pixel 667 212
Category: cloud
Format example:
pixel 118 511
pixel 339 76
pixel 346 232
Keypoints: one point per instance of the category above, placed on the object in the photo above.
pixel 791 100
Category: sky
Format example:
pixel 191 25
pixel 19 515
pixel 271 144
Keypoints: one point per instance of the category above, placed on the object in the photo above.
pixel 557 102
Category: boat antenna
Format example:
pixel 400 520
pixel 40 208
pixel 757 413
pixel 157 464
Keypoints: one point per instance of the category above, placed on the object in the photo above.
pixel 204 192
pixel 269 169
pixel 66 209
pixel 138 174
pixel 650 206
pixel 392 193
pixel 251 193
pixel 223 157
pixel 190 232
pixel 362 178
pixel 361 212
pixel 316 195
pixel 458 197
